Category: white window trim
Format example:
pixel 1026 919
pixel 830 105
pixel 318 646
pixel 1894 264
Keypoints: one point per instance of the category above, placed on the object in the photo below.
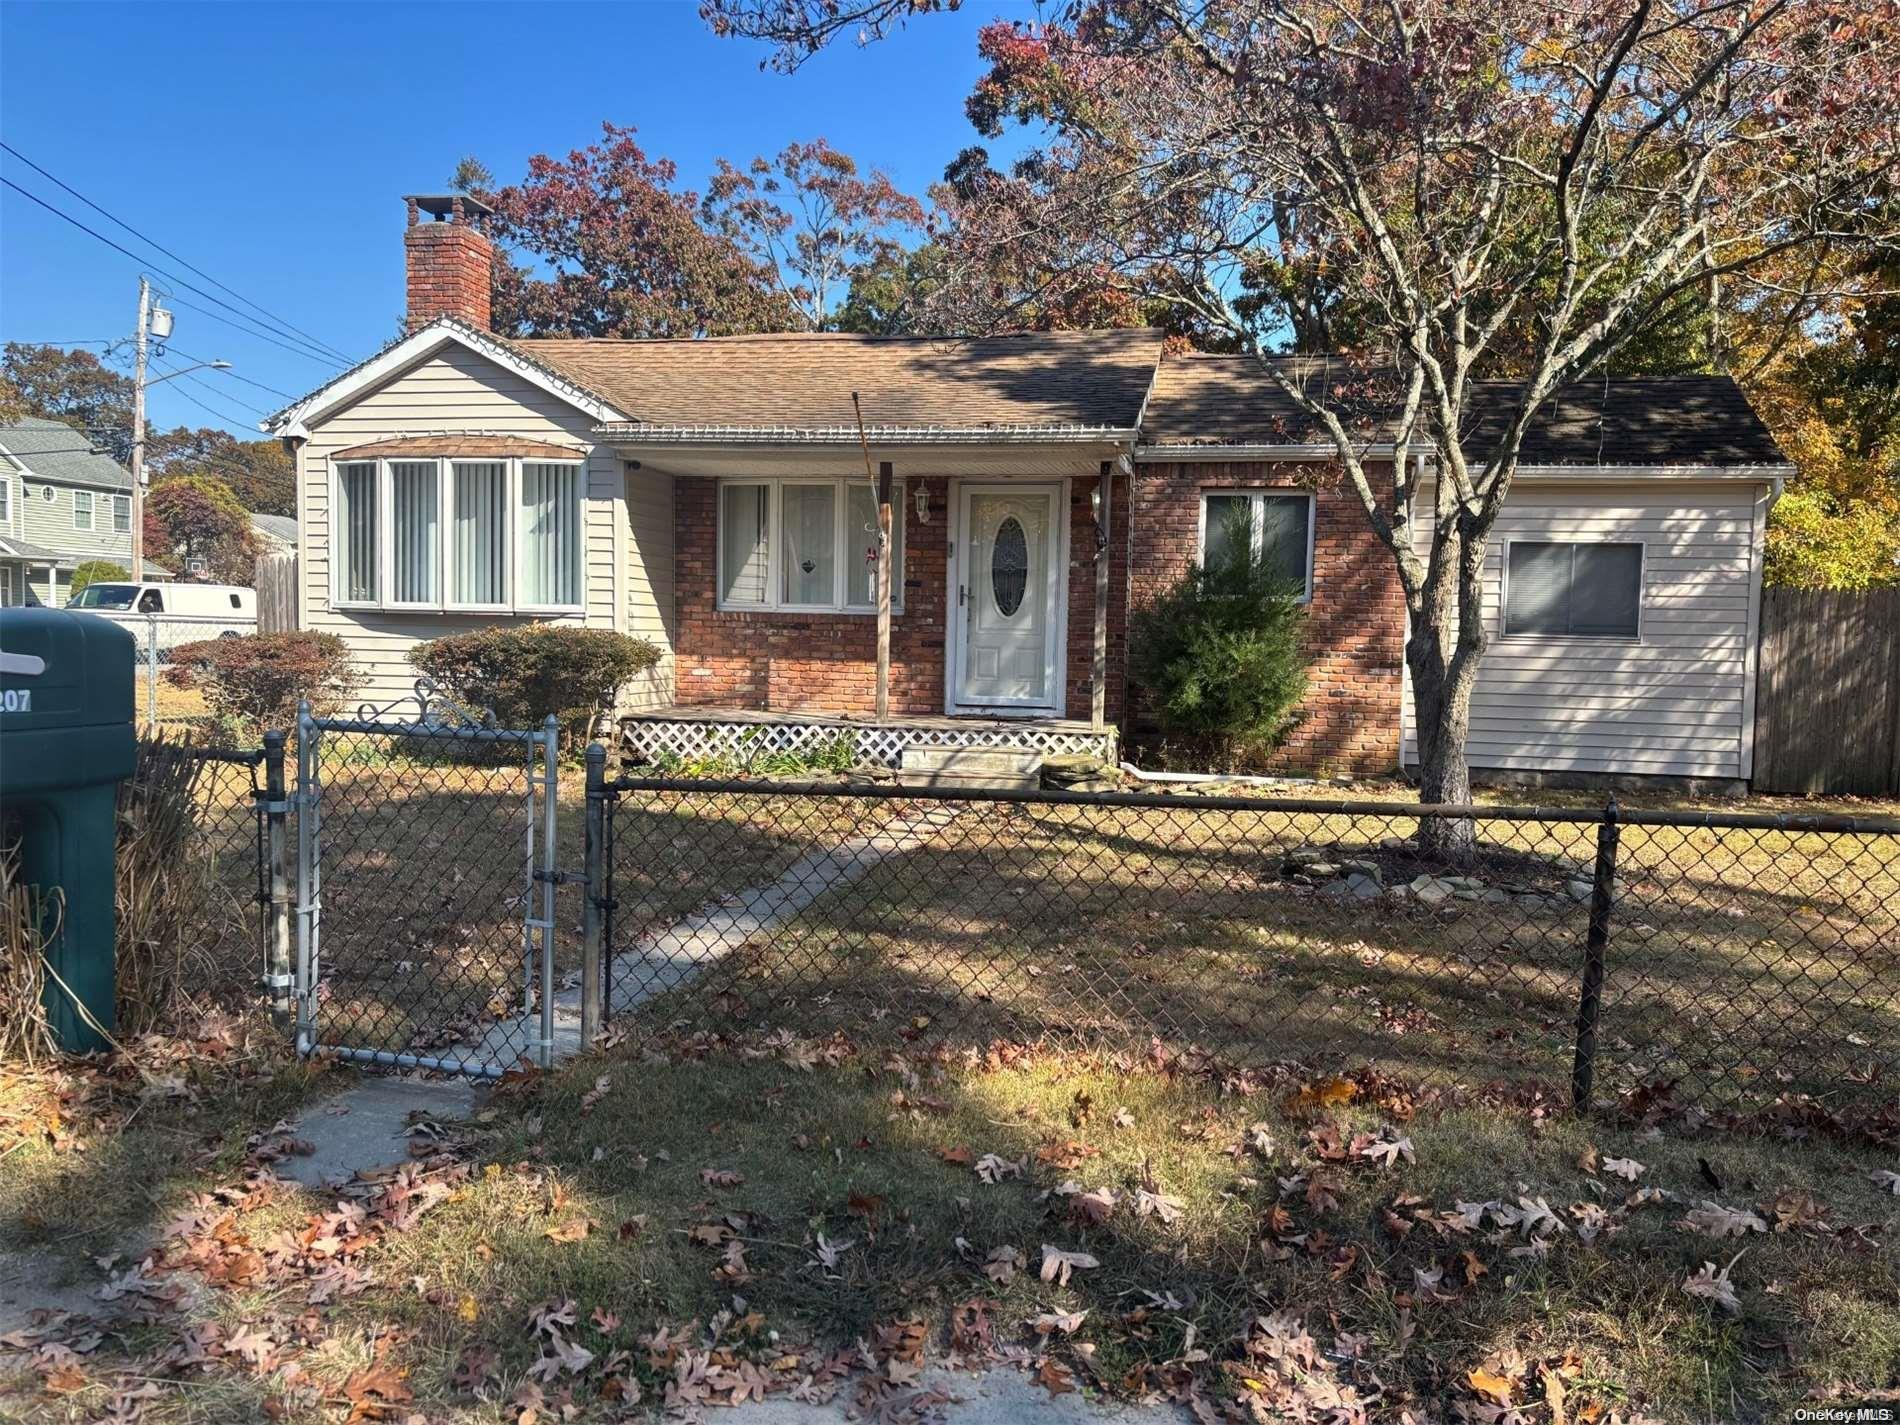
pixel 1505 631
pixel 116 504
pixel 6 499
pixel 1258 495
pixel 845 545
pixel 445 494
pixel 87 507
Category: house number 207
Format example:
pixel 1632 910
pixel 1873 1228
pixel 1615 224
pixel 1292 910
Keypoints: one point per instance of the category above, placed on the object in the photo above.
pixel 16 700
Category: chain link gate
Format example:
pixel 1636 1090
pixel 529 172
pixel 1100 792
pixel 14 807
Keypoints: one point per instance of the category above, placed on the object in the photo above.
pixel 425 883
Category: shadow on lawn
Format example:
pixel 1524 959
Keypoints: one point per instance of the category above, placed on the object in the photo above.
pixel 1742 976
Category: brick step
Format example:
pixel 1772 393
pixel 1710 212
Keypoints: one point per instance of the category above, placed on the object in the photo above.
pixel 988 768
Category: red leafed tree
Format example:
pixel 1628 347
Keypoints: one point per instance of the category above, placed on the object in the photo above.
pixel 195 517
pixel 1512 182
pixel 617 250
pixel 811 217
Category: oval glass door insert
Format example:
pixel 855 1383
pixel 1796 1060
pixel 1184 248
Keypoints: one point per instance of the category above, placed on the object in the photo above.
pixel 1009 566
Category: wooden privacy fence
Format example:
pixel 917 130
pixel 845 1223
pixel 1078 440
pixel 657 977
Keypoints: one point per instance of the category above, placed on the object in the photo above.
pixel 276 585
pixel 1827 710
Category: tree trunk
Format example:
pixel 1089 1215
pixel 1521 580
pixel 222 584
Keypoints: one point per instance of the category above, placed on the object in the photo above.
pixel 1444 669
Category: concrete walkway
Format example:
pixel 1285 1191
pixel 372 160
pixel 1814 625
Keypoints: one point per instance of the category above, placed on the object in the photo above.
pixel 676 954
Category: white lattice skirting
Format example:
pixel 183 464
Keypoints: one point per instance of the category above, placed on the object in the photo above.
pixel 650 737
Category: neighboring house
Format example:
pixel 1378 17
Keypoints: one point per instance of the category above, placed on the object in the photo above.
pixel 60 505
pixel 275 533
pixel 712 496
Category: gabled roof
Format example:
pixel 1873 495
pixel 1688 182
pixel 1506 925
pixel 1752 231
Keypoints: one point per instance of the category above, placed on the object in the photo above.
pixel 1213 401
pixel 802 382
pixel 56 452
pixel 418 346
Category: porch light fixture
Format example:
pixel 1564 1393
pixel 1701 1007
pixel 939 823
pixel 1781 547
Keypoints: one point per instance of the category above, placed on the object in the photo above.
pixel 922 498
pixel 1095 509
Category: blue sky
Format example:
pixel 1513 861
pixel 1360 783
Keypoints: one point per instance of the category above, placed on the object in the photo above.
pixel 269 144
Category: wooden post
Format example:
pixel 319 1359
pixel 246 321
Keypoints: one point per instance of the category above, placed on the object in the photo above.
pixel 1098 663
pixel 884 547
pixel 881 482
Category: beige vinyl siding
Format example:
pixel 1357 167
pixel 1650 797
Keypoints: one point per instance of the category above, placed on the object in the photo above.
pixel 454 391
pixel 649 566
pixel 1676 701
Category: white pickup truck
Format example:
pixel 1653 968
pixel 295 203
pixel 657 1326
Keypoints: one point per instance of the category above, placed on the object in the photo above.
pixel 171 614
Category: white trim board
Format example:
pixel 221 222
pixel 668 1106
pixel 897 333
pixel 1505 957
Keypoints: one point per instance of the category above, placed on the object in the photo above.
pixel 294 421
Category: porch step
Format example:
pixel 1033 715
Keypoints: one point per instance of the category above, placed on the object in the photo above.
pixel 986 768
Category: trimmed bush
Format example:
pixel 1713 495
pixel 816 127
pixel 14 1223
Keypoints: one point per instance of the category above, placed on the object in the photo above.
pixel 98 571
pixel 1220 656
pixel 526 672
pixel 258 680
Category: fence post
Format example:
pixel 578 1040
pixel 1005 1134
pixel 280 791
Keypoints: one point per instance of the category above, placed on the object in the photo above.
pixel 1589 1000
pixel 151 673
pixel 550 808
pixel 279 979
pixel 309 890
pixel 593 960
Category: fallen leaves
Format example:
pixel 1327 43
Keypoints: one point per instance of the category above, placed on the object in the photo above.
pixel 1715 1286
pixel 1627 1169
pixel 573 1229
pixel 1057 1264
pixel 1712 1219
pixel 993 1169
pixel 721 1177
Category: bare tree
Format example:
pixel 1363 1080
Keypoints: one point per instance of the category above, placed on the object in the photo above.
pixel 1550 181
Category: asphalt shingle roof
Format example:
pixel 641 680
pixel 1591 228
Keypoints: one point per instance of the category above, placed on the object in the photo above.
pixel 805 381
pixel 1639 420
pixel 55 451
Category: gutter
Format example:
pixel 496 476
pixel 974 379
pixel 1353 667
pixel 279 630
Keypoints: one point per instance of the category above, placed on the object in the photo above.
pixel 636 434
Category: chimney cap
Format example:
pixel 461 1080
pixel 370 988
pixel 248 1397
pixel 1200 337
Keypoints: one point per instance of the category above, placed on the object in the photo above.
pixel 443 207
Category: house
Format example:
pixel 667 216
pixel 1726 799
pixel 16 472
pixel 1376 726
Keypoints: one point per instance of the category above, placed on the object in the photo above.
pixel 713 496
pixel 274 534
pixel 61 504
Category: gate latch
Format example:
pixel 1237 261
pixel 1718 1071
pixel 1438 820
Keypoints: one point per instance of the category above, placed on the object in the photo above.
pixel 562 878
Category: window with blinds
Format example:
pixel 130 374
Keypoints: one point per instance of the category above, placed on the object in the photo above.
pixel 805 544
pixel 478 547
pixel 550 535
pixel 356 553
pixel 488 535
pixel 1559 589
pixel 416 532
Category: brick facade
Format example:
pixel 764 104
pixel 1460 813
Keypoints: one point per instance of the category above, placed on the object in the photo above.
pixel 1349 722
pixel 827 662
pixel 450 270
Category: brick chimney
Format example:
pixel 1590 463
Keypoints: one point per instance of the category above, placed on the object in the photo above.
pixel 450 260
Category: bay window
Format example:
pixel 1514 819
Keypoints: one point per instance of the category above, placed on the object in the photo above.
pixel 804 544
pixel 459 535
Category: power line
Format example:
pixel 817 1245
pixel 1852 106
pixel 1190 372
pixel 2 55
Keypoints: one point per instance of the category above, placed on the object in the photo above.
pixel 316 342
pixel 187 374
pixel 322 358
pixel 248 331
pixel 234 376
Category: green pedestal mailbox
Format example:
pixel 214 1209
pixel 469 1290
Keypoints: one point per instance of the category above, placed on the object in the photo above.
pixel 66 742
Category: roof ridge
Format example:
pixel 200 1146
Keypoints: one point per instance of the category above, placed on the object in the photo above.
pixel 867 338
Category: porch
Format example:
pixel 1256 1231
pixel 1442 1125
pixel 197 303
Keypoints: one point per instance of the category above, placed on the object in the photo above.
pixel 741 733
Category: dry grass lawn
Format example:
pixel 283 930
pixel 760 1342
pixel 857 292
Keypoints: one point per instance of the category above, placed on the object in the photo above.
pixel 717 1220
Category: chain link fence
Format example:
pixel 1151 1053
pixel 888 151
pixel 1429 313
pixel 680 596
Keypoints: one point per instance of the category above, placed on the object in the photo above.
pixel 1729 959
pixel 424 889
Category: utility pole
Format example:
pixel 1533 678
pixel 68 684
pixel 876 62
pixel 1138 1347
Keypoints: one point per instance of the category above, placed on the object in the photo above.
pixel 138 433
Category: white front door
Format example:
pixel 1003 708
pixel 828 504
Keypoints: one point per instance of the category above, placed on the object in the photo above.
pixel 1008 596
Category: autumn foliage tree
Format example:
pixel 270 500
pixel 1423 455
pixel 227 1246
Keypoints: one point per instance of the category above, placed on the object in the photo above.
pixel 812 218
pixel 1555 182
pixel 616 248
pixel 196 517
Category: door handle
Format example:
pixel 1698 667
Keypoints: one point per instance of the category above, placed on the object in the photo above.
pixel 960 589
